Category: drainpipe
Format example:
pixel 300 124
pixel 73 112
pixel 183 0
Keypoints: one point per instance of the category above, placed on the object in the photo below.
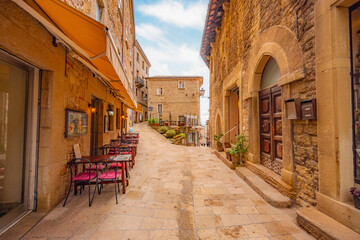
pixel 37 143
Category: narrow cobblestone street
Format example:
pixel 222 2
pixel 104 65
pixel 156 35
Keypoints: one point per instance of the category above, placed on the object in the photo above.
pixel 175 192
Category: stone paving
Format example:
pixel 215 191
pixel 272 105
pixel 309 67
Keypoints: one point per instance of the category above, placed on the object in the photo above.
pixel 175 192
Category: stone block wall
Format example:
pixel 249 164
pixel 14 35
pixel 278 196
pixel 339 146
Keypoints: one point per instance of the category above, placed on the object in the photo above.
pixel 176 101
pixel 242 26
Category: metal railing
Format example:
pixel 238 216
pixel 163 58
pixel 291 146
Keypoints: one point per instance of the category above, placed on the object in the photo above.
pixel 139 82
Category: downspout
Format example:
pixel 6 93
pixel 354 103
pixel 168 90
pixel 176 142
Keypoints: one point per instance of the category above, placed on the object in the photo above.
pixel 123 31
pixel 37 143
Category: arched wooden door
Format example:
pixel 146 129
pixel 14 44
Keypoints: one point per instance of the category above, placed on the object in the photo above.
pixel 271 128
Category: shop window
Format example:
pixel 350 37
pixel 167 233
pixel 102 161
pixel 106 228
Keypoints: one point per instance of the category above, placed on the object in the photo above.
pixel 159 91
pixel 118 118
pixel 181 85
pixel 110 116
pixel 355 78
pixel 160 109
pixel 190 138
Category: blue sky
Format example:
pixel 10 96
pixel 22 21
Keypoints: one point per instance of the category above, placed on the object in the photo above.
pixel 170 33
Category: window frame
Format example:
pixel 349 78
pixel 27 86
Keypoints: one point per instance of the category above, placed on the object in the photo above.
pixel 181 85
pixel 161 91
pixel 162 110
pixel 355 154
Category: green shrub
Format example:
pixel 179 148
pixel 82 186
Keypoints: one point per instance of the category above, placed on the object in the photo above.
pixel 170 133
pixel 163 129
pixel 181 135
pixel 154 120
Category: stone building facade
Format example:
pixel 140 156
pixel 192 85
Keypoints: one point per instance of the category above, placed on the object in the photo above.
pixel 142 67
pixel 57 75
pixel 172 99
pixel 268 59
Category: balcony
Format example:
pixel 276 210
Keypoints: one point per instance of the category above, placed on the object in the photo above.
pixel 139 83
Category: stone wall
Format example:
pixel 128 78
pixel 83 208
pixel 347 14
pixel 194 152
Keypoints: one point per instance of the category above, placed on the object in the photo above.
pixel 242 25
pixel 176 101
pixel 142 71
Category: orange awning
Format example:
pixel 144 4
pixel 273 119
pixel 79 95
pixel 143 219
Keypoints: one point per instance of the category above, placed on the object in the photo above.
pixel 91 40
pixel 139 108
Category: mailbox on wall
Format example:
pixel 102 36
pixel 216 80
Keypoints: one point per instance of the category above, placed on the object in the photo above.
pixel 293 110
pixel 308 109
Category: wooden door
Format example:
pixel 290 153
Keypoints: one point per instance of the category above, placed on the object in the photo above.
pixel 271 128
pixel 94 126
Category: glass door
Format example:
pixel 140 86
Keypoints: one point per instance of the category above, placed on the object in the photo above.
pixel 355 73
pixel 13 102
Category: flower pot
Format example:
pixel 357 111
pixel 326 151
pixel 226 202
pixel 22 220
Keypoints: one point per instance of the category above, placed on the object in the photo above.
pixel 357 202
pixel 219 147
pixel 228 156
pixel 235 159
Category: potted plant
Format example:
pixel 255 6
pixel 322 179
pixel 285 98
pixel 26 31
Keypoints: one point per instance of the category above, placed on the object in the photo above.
pixel 170 133
pixel 238 150
pixel 179 138
pixel 163 129
pixel 217 139
pixel 156 122
pixel 356 194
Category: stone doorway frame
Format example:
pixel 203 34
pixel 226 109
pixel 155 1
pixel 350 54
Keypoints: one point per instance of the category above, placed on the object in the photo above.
pixel 280 43
pixel 227 108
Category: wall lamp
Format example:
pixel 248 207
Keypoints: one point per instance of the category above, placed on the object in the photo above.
pixel 110 112
pixel 202 92
pixel 92 108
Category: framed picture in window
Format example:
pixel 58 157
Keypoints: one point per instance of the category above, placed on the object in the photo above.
pixel 76 123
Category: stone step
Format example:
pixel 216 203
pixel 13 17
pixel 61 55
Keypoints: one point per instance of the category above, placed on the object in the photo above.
pixel 272 178
pixel 265 190
pixel 222 157
pixel 322 226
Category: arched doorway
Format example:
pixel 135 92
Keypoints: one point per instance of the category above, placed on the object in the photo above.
pixel 218 124
pixel 270 99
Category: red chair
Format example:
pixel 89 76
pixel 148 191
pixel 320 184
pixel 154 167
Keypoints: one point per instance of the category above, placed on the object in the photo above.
pixel 109 175
pixel 81 178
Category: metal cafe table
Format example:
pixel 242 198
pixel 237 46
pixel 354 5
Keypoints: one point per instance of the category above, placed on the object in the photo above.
pixel 119 158
pixel 132 146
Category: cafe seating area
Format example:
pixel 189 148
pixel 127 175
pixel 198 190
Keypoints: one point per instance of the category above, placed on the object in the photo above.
pixel 112 165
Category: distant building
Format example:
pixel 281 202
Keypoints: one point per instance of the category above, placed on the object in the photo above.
pixel 142 66
pixel 175 100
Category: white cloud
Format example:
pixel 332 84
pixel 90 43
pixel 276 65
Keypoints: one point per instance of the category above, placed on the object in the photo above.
pixel 176 12
pixel 150 32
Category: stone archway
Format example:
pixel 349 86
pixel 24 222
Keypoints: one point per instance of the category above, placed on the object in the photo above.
pixel 281 44
pixel 218 125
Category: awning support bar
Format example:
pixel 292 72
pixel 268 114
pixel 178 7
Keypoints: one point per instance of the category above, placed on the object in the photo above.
pixel 97 56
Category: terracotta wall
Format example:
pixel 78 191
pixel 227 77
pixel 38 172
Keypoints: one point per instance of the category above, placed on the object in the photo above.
pixel 66 83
